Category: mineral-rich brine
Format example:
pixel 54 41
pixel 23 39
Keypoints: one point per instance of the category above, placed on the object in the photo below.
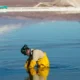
pixel 60 40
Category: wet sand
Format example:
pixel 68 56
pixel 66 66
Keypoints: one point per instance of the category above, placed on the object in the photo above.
pixel 42 15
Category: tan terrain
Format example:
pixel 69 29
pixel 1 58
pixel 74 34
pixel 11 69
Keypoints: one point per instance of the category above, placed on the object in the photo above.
pixel 35 2
pixel 21 2
pixel 41 15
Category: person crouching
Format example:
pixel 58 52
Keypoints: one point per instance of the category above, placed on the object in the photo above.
pixel 36 57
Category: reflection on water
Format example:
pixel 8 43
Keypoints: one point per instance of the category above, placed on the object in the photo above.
pixel 38 74
pixel 60 40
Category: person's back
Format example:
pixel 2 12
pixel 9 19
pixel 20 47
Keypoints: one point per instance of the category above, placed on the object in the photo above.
pixel 41 58
pixel 37 54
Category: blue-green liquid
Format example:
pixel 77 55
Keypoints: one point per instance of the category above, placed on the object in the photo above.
pixel 59 39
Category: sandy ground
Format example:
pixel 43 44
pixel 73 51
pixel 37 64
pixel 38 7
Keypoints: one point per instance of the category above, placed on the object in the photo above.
pixel 38 15
pixel 21 2
pixel 25 2
pixel 42 16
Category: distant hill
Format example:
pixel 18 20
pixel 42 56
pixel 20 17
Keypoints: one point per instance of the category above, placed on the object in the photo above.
pixel 59 3
pixel 41 3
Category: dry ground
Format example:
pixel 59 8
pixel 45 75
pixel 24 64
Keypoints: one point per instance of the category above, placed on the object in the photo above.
pixel 38 15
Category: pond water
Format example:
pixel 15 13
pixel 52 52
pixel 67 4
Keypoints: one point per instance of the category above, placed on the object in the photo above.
pixel 59 39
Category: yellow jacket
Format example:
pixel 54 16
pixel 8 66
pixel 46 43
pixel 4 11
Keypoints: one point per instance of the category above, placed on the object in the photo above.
pixel 42 62
pixel 39 74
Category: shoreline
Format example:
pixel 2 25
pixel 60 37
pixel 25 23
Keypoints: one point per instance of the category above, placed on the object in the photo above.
pixel 43 9
pixel 42 16
pixel 47 15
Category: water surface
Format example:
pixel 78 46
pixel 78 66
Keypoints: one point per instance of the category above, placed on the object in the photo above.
pixel 60 39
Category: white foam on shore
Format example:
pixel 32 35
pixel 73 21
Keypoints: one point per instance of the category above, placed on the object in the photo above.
pixel 42 9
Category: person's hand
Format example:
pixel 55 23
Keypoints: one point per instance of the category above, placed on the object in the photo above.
pixel 32 64
pixel 32 71
pixel 26 65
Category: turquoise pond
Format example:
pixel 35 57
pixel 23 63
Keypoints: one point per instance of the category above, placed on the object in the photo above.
pixel 59 39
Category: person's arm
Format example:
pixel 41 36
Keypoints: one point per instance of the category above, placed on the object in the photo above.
pixel 27 63
pixel 35 57
pixel 32 71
